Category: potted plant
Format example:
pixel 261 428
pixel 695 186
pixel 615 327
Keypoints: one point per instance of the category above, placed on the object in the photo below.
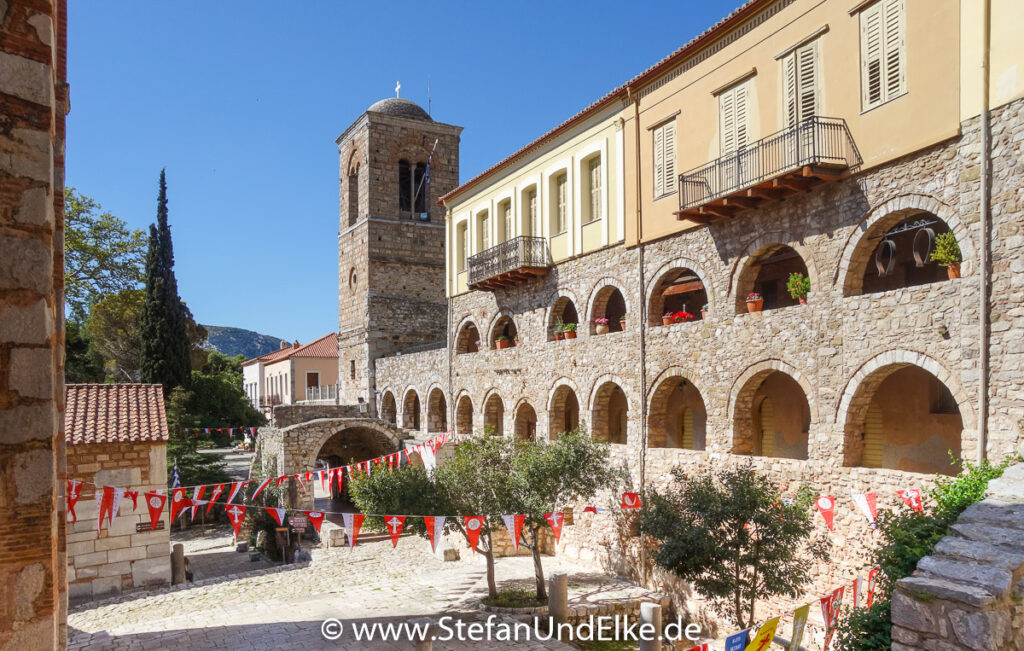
pixel 754 302
pixel 622 321
pixel 704 311
pixel 569 330
pixel 666 318
pixel 559 330
pixel 798 285
pixel 515 340
pixel 501 342
pixel 682 316
pixel 602 325
pixel 947 254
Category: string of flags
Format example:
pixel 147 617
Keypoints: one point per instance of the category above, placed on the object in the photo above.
pixel 230 430
pixel 868 505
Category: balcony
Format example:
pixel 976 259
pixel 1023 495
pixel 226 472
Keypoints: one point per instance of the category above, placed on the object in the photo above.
pixel 813 151
pixel 509 263
pixel 323 394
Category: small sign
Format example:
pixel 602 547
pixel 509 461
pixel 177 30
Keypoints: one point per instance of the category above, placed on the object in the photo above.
pixel 143 527
pixel 298 523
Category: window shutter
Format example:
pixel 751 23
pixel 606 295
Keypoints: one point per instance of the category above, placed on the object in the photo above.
pixel 595 189
pixel 659 161
pixel 728 110
pixel 871 55
pixel 806 62
pixel 894 48
pixel 669 158
pixel 789 81
pixel 741 116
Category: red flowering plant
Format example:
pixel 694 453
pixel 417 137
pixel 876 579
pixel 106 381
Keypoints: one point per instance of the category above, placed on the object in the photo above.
pixel 681 316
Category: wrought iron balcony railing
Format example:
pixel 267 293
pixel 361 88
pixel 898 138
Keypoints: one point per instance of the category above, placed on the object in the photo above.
pixel 510 262
pixel 816 148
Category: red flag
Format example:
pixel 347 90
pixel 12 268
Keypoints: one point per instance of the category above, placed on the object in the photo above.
pixel 218 490
pixel 514 525
pixel 178 502
pixel 830 612
pixel 868 503
pixel 590 509
pixel 871 586
pixel 277 514
pixel 280 479
pixel 435 529
pixel 352 523
pixel 236 513
pixel 263 484
pixel 316 517
pixel 155 501
pixel 108 503
pixel 912 498
pixel 326 478
pixel 827 505
pixel 340 475
pixel 555 520
pixel 235 486
pixel 71 495
pixel 630 500
pixel 474 523
pixel 298 478
pixel 197 496
pixel 394 523
pixel 134 496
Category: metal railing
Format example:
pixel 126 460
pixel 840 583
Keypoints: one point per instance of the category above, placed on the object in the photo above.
pixel 517 253
pixel 270 399
pixel 814 141
pixel 322 393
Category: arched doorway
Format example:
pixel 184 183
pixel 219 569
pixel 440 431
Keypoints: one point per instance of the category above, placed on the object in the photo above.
pixel 504 334
pixel 677 418
pixel 564 413
pixel 464 416
pixel 609 414
pixel 678 290
pixel 610 305
pixel 389 408
pixel 347 446
pixel 563 312
pixel 772 417
pixel 411 411
pixel 437 411
pixel 526 422
pixel 468 339
pixel 904 418
pixel 494 414
pixel 766 273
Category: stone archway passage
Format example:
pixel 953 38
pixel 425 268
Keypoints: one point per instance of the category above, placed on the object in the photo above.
pixel 610 414
pixel 563 311
pixel 389 408
pixel 767 272
pixel 494 414
pixel 437 411
pixel 678 417
pixel 881 264
pixel 468 339
pixel 411 411
pixel 678 290
pixel 526 423
pixel 608 304
pixel 771 417
pixel 464 416
pixel 564 414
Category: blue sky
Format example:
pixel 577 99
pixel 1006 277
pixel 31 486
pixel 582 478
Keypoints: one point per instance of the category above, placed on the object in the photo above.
pixel 242 102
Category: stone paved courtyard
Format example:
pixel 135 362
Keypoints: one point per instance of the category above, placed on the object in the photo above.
pixel 284 608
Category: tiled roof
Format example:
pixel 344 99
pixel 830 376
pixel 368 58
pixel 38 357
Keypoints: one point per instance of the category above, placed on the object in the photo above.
pixel 272 356
pixel 737 15
pixel 114 413
pixel 326 346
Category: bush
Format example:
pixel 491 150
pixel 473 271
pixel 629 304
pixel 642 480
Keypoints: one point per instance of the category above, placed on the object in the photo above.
pixel 905 537
pixel 946 251
pixel 515 598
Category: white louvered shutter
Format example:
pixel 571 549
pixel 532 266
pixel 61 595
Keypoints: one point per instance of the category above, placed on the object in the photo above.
pixel 871 55
pixel 563 184
pixel 807 80
pixel 669 158
pixel 789 83
pixel 659 162
pixel 883 52
pixel 727 102
pixel 595 189
pixel 895 50
pixel 741 116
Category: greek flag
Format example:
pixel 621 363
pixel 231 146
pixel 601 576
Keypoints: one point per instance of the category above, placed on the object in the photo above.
pixel 175 479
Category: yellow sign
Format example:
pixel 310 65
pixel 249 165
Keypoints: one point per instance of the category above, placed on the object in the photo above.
pixel 763 640
pixel 799 622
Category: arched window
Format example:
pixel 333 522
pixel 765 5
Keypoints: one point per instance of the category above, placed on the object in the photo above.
pixel 772 417
pixel 411 411
pixel 404 186
pixel 677 417
pixel 608 310
pixel 468 340
pixel 766 274
pixel 494 414
pixel 564 415
pixel 388 408
pixel 563 312
pixel 437 411
pixel 464 416
pixel 412 189
pixel 526 422
pixel 353 197
pixel 897 252
pixel 420 188
pixel 504 334
pixel 678 290
pixel 609 416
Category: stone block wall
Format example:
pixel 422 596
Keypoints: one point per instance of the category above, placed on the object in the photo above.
pixel 119 558
pixel 288 415
pixel 969 594
pixel 33 105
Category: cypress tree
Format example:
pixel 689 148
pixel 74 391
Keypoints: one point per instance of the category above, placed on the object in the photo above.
pixel 165 343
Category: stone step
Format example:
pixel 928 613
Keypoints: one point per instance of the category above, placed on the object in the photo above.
pixel 994 580
pixel 979 552
pixel 996 513
pixel 923 587
pixel 1012 538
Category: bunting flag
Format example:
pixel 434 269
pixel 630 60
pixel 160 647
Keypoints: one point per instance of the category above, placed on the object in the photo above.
pixel 868 503
pixel 71 495
pixel 394 523
pixel 737 641
pixel 799 623
pixel 235 486
pixel 555 520
pixel 474 523
pixel 340 474
pixel 855 589
pixel 298 478
pixel 763 639
pixel 108 501
pixel 316 517
pixel 155 502
pixel 701 647
pixel 827 505
pixel 871 587
pixel 590 509
pixel 631 500
pixel 277 514
pixel 514 524
pixel 259 489
pixel 435 529
pixel 280 480
pixel 236 513
pixel 178 502
pixel 253 430
pixel 197 499
pixel 134 497
pixel 352 523
pixel 218 490
pixel 830 613
pixel 323 476
pixel 912 498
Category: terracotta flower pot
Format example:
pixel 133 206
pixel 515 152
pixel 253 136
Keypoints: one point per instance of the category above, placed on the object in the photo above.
pixel 953 270
pixel 802 299
pixel 602 328
pixel 516 342
pixel 570 334
pixel 501 344
pixel 666 320
pixel 559 335
pixel 755 306
pixel 703 314
pixel 622 323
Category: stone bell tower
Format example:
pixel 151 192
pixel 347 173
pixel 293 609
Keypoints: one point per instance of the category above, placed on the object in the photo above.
pixel 391 238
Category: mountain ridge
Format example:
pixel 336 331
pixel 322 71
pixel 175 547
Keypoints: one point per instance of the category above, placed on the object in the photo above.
pixel 239 341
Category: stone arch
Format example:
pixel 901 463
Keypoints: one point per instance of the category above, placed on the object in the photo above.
pixel 389 407
pixel 609 410
pixel 668 274
pixel 607 300
pixel 859 398
pixel 677 413
pixel 503 325
pixel 411 409
pixel 858 251
pixel 338 442
pixel 561 306
pixel 766 268
pixel 437 409
pixel 563 407
pixel 525 428
pixel 745 399
pixel 467 336
pixel 463 414
pixel 493 412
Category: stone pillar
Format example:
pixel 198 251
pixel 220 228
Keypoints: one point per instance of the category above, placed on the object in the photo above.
pixel 558 598
pixel 33 93
pixel 650 613
pixel 178 564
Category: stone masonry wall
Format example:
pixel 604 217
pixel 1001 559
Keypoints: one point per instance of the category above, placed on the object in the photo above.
pixel 33 105
pixel 118 558
pixel 837 348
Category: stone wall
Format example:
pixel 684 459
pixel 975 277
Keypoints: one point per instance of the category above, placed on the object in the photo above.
pixel 969 594
pixel 835 351
pixel 288 415
pixel 33 105
pixel 118 558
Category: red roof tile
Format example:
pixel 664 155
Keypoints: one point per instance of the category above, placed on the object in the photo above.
pixel 326 346
pixel 114 413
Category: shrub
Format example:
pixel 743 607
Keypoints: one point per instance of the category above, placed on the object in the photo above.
pixel 947 251
pixel 798 285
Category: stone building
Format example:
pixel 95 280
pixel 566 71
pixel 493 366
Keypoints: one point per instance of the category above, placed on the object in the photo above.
pixel 794 136
pixel 33 105
pixel 116 436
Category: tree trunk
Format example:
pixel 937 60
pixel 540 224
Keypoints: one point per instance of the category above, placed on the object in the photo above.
pixel 538 569
pixel 492 588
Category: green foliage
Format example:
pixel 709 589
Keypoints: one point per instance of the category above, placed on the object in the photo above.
pixel 216 397
pixel 408 490
pixel 165 350
pixel 569 327
pixel 905 537
pixel 82 364
pixel 194 468
pixel 258 518
pixel 798 285
pixel 946 251
pixel 731 535
pixel 114 329
pixel 102 256
pixel 515 598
